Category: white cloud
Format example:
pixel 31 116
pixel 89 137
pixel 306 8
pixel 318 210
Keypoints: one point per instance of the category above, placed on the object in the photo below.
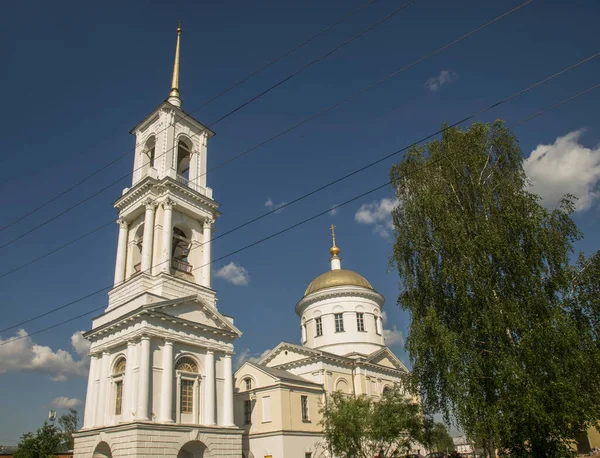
pixel 64 402
pixel 565 167
pixel 247 355
pixel 379 214
pixel 393 336
pixel 333 211
pixel 436 82
pixel 23 355
pixel 234 274
pixel 273 206
pixel 384 317
pixel 80 343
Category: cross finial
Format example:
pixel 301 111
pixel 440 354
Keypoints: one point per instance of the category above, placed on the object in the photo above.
pixel 332 229
pixel 179 25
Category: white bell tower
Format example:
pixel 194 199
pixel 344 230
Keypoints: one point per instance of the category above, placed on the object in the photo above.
pixel 161 352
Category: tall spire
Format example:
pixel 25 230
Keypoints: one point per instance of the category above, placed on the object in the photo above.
pixel 174 96
pixel 336 261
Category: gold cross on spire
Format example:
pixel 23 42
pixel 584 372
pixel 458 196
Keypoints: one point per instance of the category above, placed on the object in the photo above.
pixel 334 250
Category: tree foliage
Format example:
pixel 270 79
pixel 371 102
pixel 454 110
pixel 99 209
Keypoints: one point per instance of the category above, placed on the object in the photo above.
pixel 362 428
pixel 496 327
pixel 50 439
pixel 437 438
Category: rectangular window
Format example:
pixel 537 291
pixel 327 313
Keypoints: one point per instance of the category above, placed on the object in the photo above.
pixel 304 403
pixel 118 397
pixel 339 322
pixel 187 396
pixel 319 326
pixel 247 412
pixel 266 409
pixel 360 321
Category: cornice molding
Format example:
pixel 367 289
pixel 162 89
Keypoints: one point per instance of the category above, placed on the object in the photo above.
pixel 338 292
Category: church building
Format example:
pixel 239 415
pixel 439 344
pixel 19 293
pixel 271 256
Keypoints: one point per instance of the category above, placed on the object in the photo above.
pixel 161 381
pixel 279 398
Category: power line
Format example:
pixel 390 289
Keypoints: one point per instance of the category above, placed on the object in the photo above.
pixel 318 59
pixel 186 115
pixel 331 183
pixel 311 218
pixel 306 120
pixel 289 77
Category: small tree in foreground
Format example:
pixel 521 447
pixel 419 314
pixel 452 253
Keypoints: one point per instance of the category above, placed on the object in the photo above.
pixel 362 428
pixel 50 439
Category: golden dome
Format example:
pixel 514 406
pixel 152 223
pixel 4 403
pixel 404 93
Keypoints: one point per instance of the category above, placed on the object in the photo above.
pixel 334 251
pixel 338 277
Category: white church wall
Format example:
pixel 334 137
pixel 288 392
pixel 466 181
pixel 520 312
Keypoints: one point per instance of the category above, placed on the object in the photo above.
pixel 350 339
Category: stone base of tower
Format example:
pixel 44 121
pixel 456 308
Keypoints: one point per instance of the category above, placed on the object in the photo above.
pixel 158 440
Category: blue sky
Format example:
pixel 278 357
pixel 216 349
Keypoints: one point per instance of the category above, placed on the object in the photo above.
pixel 77 76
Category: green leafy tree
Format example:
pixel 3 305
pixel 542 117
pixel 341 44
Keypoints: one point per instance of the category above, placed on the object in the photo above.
pixel 437 438
pixel 362 428
pixel 50 439
pixel 485 275
pixel 44 443
pixel 69 423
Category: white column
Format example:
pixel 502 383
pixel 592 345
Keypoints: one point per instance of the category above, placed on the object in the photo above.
pixel 166 395
pixel 90 396
pixel 147 243
pixel 143 400
pixel 228 392
pixel 102 385
pixel 209 389
pixel 195 409
pixel 128 404
pixel 167 236
pixel 121 251
pixel 206 251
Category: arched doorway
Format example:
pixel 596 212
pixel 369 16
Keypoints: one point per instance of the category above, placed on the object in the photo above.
pixel 192 449
pixel 102 450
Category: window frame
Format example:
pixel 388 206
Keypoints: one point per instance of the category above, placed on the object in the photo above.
pixel 118 396
pixel 360 322
pixel 248 383
pixel 247 412
pixel 304 408
pixel 339 322
pixel 118 380
pixel 318 326
pixel 186 389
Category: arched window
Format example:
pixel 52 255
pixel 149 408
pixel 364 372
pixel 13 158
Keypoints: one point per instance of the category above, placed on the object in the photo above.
pixel 386 389
pixel 248 383
pixel 150 150
pixel 117 374
pixel 180 250
pixel 186 364
pixel 120 366
pixel 183 161
pixel 188 370
pixel 342 385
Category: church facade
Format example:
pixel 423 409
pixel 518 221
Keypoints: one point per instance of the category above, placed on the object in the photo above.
pixel 278 399
pixel 161 378
pixel 161 381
